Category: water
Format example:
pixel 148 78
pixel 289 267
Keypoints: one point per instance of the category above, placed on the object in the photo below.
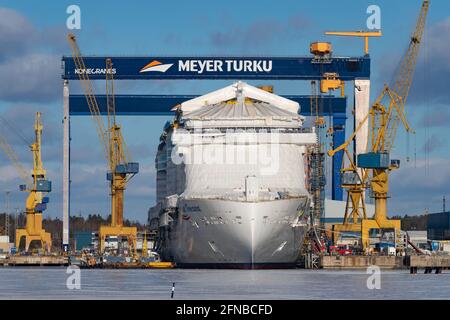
pixel 50 283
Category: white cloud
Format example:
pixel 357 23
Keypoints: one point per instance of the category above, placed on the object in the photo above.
pixel 31 77
pixel 9 175
pixel 17 35
pixel 28 72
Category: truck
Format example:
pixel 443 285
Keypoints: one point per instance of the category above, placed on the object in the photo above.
pixel 342 249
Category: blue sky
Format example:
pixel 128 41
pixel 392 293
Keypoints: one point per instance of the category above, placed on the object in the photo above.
pixel 32 41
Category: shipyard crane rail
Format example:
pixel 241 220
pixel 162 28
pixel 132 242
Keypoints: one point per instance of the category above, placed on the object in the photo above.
pixel 120 170
pixel 384 118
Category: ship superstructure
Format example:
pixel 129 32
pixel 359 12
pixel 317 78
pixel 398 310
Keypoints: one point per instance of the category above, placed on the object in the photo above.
pixel 231 181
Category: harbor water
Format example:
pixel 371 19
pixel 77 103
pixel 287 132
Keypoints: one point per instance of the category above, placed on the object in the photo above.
pixel 51 283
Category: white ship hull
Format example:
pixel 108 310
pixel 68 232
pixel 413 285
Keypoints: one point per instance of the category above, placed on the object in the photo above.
pixel 234 234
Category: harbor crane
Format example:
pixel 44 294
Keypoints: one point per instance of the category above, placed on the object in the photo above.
pixel 33 235
pixel 373 168
pixel 120 169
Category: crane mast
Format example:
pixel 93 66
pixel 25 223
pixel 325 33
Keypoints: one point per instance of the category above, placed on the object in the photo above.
pixel 120 170
pixel 404 77
pixel 89 93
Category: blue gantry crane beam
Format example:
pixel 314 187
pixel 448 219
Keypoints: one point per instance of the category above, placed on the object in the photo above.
pixel 161 105
pixel 220 68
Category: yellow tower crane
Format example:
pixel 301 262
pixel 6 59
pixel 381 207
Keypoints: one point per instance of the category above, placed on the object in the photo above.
pixel 384 118
pixel 33 235
pixel 120 170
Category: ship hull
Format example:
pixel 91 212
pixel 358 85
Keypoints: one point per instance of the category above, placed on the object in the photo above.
pixel 234 234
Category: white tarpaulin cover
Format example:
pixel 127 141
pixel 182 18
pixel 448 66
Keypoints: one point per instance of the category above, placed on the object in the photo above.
pixel 280 171
pixel 216 165
pixel 233 157
pixel 246 113
pixel 239 89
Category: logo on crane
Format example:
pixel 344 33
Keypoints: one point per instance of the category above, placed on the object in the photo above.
pixel 156 66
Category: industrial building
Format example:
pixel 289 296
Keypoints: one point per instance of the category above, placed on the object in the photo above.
pixel 83 240
pixel 438 226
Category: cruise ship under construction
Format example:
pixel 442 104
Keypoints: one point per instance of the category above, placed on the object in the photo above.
pixel 231 181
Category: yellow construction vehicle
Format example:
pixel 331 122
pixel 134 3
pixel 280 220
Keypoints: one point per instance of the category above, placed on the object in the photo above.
pixel 374 166
pixel 33 236
pixel 120 169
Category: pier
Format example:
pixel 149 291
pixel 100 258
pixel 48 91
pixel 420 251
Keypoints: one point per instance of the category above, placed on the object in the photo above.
pixel 357 262
pixel 413 263
pixel 428 263
pixel 17 261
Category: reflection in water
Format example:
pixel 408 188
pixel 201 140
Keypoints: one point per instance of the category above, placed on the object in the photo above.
pixel 50 283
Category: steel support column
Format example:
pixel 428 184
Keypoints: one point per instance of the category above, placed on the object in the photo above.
pixel 66 167
pixel 338 139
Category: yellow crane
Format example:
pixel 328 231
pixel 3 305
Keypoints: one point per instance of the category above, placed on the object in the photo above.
pixel 374 167
pixel 33 235
pixel 120 170
pixel 363 34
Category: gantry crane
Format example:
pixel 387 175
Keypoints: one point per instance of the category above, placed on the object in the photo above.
pixel 373 168
pixel 120 170
pixel 37 187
